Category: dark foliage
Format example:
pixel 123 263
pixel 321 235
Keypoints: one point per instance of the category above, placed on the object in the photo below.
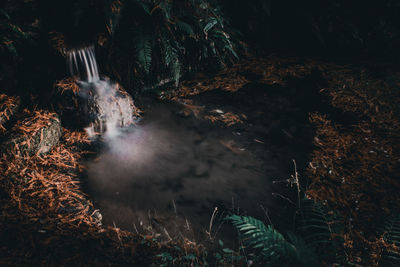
pixel 333 27
pixel 153 41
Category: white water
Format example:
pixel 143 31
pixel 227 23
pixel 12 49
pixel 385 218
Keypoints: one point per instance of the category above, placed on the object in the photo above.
pixel 110 107
pixel 82 64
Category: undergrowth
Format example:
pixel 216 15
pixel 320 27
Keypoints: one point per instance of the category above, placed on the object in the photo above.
pixel 151 41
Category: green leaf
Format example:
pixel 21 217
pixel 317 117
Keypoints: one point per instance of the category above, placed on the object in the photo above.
pixel 185 28
pixel 227 250
pixel 211 23
pixel 270 246
pixel 144 6
pixel 143 47
pixel 391 234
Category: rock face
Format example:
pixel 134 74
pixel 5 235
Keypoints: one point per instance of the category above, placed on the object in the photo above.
pixel 36 134
pixel 9 106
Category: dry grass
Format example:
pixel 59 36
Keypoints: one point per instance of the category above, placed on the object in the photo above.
pixel 271 70
pixel 227 118
pixel 355 167
pixel 67 84
pixel 8 105
pixel 47 219
pixel 57 41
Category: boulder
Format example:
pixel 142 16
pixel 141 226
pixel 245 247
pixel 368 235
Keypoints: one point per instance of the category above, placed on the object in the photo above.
pixel 36 134
pixel 94 105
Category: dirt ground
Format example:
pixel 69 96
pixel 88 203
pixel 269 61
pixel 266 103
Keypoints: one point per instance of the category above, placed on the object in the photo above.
pixel 221 142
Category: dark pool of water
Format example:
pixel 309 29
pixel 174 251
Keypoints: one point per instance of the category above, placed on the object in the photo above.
pixel 168 174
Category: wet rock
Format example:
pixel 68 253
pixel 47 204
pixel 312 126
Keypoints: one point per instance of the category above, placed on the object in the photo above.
pixel 9 106
pixel 83 104
pixel 36 134
pixel 110 106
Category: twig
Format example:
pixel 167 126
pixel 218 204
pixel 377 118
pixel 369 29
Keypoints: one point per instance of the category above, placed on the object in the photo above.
pixel 281 196
pixel 211 222
pixel 266 214
pixel 296 178
pixel 119 237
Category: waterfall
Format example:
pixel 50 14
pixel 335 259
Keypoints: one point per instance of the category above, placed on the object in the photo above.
pixel 109 107
pixel 82 64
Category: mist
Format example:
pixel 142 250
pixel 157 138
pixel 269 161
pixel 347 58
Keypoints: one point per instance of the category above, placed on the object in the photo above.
pixel 169 171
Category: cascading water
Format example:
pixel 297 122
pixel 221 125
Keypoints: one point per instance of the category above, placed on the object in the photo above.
pixel 82 64
pixel 109 106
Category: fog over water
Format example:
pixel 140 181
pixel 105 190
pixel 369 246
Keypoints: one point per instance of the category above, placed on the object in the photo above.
pixel 167 171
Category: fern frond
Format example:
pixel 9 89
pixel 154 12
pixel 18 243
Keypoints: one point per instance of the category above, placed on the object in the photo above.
pixel 144 6
pixel 322 229
pixel 230 49
pixel 271 245
pixel 391 234
pixel 176 71
pixel 210 24
pixel 170 53
pixel 314 223
pixel 171 58
pixel 166 8
pixel 143 48
pixel 185 28
pixel 303 253
pixel 226 43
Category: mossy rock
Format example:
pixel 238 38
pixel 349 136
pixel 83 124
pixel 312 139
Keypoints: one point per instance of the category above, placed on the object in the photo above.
pixel 36 134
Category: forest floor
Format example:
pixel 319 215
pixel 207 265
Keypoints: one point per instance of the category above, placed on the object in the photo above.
pixel 339 122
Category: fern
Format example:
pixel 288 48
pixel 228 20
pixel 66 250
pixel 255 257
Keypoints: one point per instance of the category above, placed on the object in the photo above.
pixel 185 28
pixel 226 43
pixel 11 34
pixel 322 229
pixel 230 49
pixel 144 7
pixel 158 31
pixel 170 52
pixel 143 47
pixel 171 59
pixel 391 234
pixel 176 71
pixel 210 24
pixel 314 223
pixel 270 245
pixel 166 8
